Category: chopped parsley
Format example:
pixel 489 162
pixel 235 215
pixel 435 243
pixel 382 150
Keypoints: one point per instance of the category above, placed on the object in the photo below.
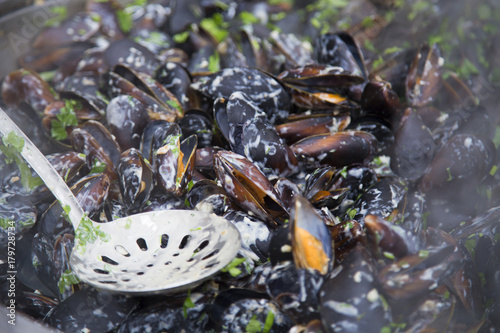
pixel 269 322
pixel 66 117
pixel 97 167
pixel 216 26
pixel 175 105
pixel 188 304
pixel 67 279
pixel 60 14
pixel 181 37
pixel 254 325
pixel 232 268
pixel 11 148
pixel 124 20
pixel 88 234
pixel 214 62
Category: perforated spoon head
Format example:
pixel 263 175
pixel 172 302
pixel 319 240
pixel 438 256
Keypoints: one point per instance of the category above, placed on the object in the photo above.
pixel 156 252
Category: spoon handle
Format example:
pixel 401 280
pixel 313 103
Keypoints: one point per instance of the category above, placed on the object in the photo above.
pixel 44 169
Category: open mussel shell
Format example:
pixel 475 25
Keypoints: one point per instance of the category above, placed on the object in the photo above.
pixel 149 85
pixel 340 49
pixel 118 85
pixel 135 178
pixel 424 76
pixel 337 149
pixel 389 239
pixel 105 139
pixel 84 109
pixel 301 127
pixel 319 86
pixel 248 186
pixel 174 162
pixel 311 240
pixel 83 142
pixel 154 135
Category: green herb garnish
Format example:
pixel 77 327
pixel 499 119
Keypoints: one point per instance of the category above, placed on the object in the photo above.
pixel 188 304
pixel 66 117
pixel 97 167
pixel 214 62
pixel 175 105
pixel 67 279
pixel 231 267
pixel 269 322
pixel 181 37
pixel 248 18
pixel 11 148
pixel 60 13
pixel 216 26
pixel 124 20
pixel 254 325
pixel 88 234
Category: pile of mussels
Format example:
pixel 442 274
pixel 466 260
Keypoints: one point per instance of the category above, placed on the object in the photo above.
pixel 366 201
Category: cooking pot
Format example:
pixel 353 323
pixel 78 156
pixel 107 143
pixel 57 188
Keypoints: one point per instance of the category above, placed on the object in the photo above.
pixel 20 28
pixel 17 31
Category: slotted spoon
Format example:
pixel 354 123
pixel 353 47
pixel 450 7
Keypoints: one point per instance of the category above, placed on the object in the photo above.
pixel 148 253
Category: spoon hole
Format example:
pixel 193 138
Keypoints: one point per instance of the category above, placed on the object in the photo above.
pixel 140 273
pixel 121 250
pixel 168 263
pixel 149 265
pixel 175 254
pixel 107 282
pixel 164 241
pixel 211 265
pixel 108 260
pixel 184 241
pixel 211 254
pixel 100 271
pixel 126 280
pixel 201 246
pixel 190 259
pixel 142 244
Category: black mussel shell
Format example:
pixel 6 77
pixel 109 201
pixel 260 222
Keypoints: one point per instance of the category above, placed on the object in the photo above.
pixel 263 146
pixel 91 309
pixel 248 186
pixel 337 149
pixel 127 118
pixel 25 85
pixel 260 87
pixel 350 300
pixel 413 148
pixel 135 178
pixel 311 240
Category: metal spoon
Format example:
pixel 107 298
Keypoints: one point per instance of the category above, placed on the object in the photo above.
pixel 147 253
